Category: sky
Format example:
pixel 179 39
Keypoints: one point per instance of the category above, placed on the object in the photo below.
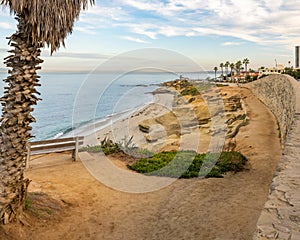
pixel 206 31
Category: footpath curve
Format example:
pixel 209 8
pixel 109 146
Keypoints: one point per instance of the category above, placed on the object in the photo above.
pixel 280 217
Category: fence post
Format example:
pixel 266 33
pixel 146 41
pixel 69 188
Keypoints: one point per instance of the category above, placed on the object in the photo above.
pixel 28 155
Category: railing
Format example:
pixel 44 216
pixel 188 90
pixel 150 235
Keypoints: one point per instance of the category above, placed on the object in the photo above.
pixel 54 145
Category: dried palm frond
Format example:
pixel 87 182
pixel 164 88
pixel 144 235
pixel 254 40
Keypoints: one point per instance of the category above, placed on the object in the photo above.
pixel 48 21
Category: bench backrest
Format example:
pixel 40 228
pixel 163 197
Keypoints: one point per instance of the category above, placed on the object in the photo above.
pixel 54 145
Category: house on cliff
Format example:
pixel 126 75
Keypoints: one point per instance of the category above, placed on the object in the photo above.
pixel 275 70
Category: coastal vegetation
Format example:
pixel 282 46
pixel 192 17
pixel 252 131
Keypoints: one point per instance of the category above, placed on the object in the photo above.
pixel 186 87
pixel 126 147
pixel 179 164
pixel 189 164
pixel 295 73
pixel 40 23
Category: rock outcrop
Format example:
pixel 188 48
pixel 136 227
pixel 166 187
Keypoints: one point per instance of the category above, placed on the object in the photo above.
pixel 210 111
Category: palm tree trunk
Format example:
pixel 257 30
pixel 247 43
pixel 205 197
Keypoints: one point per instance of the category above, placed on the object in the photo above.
pixel 19 96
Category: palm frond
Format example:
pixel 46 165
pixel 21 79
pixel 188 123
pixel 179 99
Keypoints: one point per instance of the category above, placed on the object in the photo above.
pixel 48 21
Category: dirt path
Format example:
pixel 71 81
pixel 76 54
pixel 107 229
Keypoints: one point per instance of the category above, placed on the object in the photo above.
pixel 206 209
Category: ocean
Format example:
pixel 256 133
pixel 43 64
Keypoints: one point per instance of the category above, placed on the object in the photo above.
pixel 72 100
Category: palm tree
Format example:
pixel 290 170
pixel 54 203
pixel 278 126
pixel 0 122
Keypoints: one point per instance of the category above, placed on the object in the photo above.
pixel 222 66
pixel 226 67
pixel 238 68
pixel 246 61
pixel 40 23
pixel 215 69
pixel 231 69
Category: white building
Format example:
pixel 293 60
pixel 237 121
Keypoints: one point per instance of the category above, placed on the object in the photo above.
pixel 297 57
pixel 275 70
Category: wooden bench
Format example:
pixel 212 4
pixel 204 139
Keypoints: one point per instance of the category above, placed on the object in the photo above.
pixel 54 145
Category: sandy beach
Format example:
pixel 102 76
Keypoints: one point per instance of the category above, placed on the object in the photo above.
pixel 118 128
pixel 228 208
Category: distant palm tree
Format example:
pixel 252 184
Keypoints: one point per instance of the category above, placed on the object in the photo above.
pixel 222 66
pixel 40 23
pixel 238 68
pixel 226 67
pixel 215 69
pixel 231 69
pixel 246 61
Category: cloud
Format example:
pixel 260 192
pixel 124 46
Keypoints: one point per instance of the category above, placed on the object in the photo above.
pixel 101 16
pixel 137 40
pixel 87 30
pixel 232 43
pixel 264 22
pixel 145 29
pixel 6 25
pixel 260 21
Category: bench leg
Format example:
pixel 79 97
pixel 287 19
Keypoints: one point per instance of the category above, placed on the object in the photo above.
pixel 75 152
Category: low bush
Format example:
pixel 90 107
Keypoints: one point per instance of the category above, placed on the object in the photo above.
pixel 189 164
pixel 125 146
pixel 190 90
pixel 106 146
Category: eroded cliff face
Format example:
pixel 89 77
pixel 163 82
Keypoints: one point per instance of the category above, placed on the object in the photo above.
pixel 199 114
pixel 277 92
pixel 280 217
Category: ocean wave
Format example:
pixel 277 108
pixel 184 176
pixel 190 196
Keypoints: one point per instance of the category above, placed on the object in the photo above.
pixel 58 135
pixel 89 127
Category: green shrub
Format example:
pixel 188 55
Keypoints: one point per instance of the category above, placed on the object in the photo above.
pixel 190 90
pixel 106 146
pixel 27 203
pixel 188 164
pixel 248 78
pixel 126 146
pixel 184 83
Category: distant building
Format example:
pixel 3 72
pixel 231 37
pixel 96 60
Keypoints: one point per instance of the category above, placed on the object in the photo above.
pixel 297 57
pixel 275 70
pixel 243 75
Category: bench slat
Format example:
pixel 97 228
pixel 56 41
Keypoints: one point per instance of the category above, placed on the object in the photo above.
pixel 57 140
pixel 52 146
pixel 44 151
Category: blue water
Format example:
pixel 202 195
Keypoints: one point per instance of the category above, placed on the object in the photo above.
pixel 72 99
